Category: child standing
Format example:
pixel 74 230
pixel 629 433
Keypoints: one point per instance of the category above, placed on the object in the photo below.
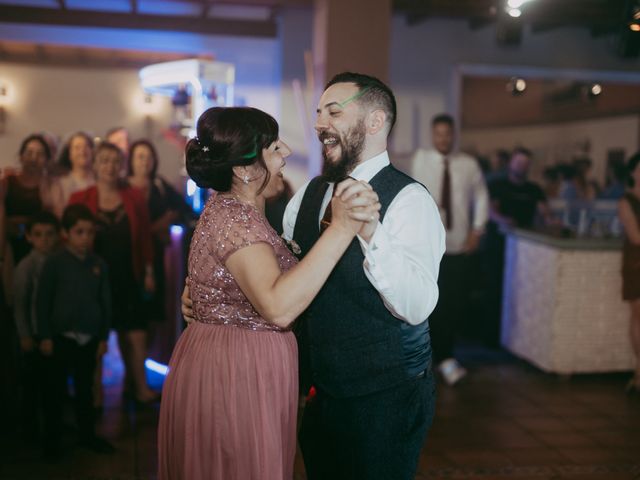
pixel 42 234
pixel 73 317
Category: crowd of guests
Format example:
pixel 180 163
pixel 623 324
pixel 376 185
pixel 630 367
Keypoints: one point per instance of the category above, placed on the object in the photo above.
pixel 478 204
pixel 82 238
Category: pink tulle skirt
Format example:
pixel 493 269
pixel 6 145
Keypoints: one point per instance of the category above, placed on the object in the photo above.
pixel 229 406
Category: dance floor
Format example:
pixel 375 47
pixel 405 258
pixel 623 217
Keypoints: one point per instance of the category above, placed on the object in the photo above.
pixel 505 420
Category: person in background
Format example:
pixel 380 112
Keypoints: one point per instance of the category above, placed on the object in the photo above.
pixel 456 182
pixel 123 240
pixel 616 179
pixel 274 207
pixel 515 202
pixel 42 234
pixel 580 185
pixel 629 213
pixel 166 207
pixel 76 158
pixel 73 312
pixel 552 182
pixel 23 194
pixel 119 136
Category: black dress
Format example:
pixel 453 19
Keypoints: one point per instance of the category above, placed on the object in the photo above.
pixel 631 257
pixel 113 243
pixel 162 198
pixel 20 201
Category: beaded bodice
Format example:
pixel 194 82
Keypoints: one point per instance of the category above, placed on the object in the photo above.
pixel 225 226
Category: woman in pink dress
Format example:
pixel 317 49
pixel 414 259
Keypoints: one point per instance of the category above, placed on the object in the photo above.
pixel 229 402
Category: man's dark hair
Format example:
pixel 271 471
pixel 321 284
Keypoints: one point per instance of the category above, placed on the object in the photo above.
pixel 522 150
pixel 113 130
pixel 42 218
pixel 74 213
pixel 376 93
pixel 632 164
pixel 442 118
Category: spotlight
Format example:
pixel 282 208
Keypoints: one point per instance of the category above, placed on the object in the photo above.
pixel 514 12
pixel 595 90
pixel 516 86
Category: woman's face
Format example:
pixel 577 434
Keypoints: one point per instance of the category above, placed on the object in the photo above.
pixel 79 153
pixel 274 158
pixel 142 161
pixel 107 166
pixel 34 157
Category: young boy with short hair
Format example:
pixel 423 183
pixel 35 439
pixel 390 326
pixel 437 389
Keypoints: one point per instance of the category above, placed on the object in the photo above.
pixel 73 318
pixel 42 234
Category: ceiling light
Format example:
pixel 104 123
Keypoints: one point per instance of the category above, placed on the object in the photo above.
pixel 516 86
pixel 596 89
pixel 514 12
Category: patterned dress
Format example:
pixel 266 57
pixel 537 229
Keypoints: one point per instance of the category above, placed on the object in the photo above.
pixel 229 402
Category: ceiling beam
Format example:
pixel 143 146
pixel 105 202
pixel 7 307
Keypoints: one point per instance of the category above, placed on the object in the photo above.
pixel 87 18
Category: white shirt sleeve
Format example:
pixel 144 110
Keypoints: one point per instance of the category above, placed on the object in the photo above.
pixel 402 260
pixel 480 199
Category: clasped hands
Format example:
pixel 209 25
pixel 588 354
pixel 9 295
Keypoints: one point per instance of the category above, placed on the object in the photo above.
pixel 355 206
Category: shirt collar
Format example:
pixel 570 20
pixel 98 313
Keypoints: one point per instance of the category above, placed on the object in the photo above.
pixel 369 168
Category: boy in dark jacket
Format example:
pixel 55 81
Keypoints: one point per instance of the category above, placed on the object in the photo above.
pixel 73 310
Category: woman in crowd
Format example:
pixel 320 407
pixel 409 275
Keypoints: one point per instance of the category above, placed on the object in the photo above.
pixel 123 240
pixel 629 213
pixel 166 206
pixel 76 158
pixel 230 399
pixel 22 195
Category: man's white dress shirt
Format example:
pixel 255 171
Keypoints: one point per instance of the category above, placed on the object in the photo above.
pixel 402 260
pixel 469 197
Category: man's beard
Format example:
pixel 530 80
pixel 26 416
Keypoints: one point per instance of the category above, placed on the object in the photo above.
pixel 350 147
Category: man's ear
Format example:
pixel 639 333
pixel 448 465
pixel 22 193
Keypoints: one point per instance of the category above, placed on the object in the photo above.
pixel 376 121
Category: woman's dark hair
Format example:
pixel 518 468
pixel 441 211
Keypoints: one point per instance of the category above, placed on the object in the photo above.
pixel 632 164
pixel 154 156
pixel 38 138
pixel 64 159
pixel 229 137
pixel 74 213
pixel 108 147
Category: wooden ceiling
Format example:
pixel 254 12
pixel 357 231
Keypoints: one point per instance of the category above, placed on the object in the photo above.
pixel 599 16
pixel 63 55
pixel 487 102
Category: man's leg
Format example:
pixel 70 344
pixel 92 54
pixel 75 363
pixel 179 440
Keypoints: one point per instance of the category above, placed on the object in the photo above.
pixel 377 436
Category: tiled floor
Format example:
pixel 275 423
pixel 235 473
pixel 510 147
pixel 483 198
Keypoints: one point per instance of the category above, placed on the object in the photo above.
pixel 506 420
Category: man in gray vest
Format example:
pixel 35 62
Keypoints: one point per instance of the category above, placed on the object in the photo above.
pixel 365 336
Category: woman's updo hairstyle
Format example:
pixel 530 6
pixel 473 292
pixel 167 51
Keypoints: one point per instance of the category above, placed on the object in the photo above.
pixel 228 137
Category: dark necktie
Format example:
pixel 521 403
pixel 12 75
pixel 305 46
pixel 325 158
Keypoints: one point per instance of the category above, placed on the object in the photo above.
pixel 326 219
pixel 445 199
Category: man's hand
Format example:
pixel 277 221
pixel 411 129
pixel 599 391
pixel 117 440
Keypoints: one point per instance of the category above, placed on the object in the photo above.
pixel 362 204
pixel 187 305
pixel 46 347
pixel 102 349
pixel 27 344
pixel 473 241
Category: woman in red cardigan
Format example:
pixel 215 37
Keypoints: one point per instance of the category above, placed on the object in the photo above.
pixel 123 240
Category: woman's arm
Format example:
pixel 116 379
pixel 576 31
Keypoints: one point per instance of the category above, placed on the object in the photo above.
pixel 281 297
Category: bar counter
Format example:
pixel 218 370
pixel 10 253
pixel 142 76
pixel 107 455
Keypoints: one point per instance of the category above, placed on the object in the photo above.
pixel 562 306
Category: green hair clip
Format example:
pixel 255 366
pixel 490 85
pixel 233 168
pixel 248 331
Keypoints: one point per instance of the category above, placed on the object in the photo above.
pixel 354 97
pixel 250 155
